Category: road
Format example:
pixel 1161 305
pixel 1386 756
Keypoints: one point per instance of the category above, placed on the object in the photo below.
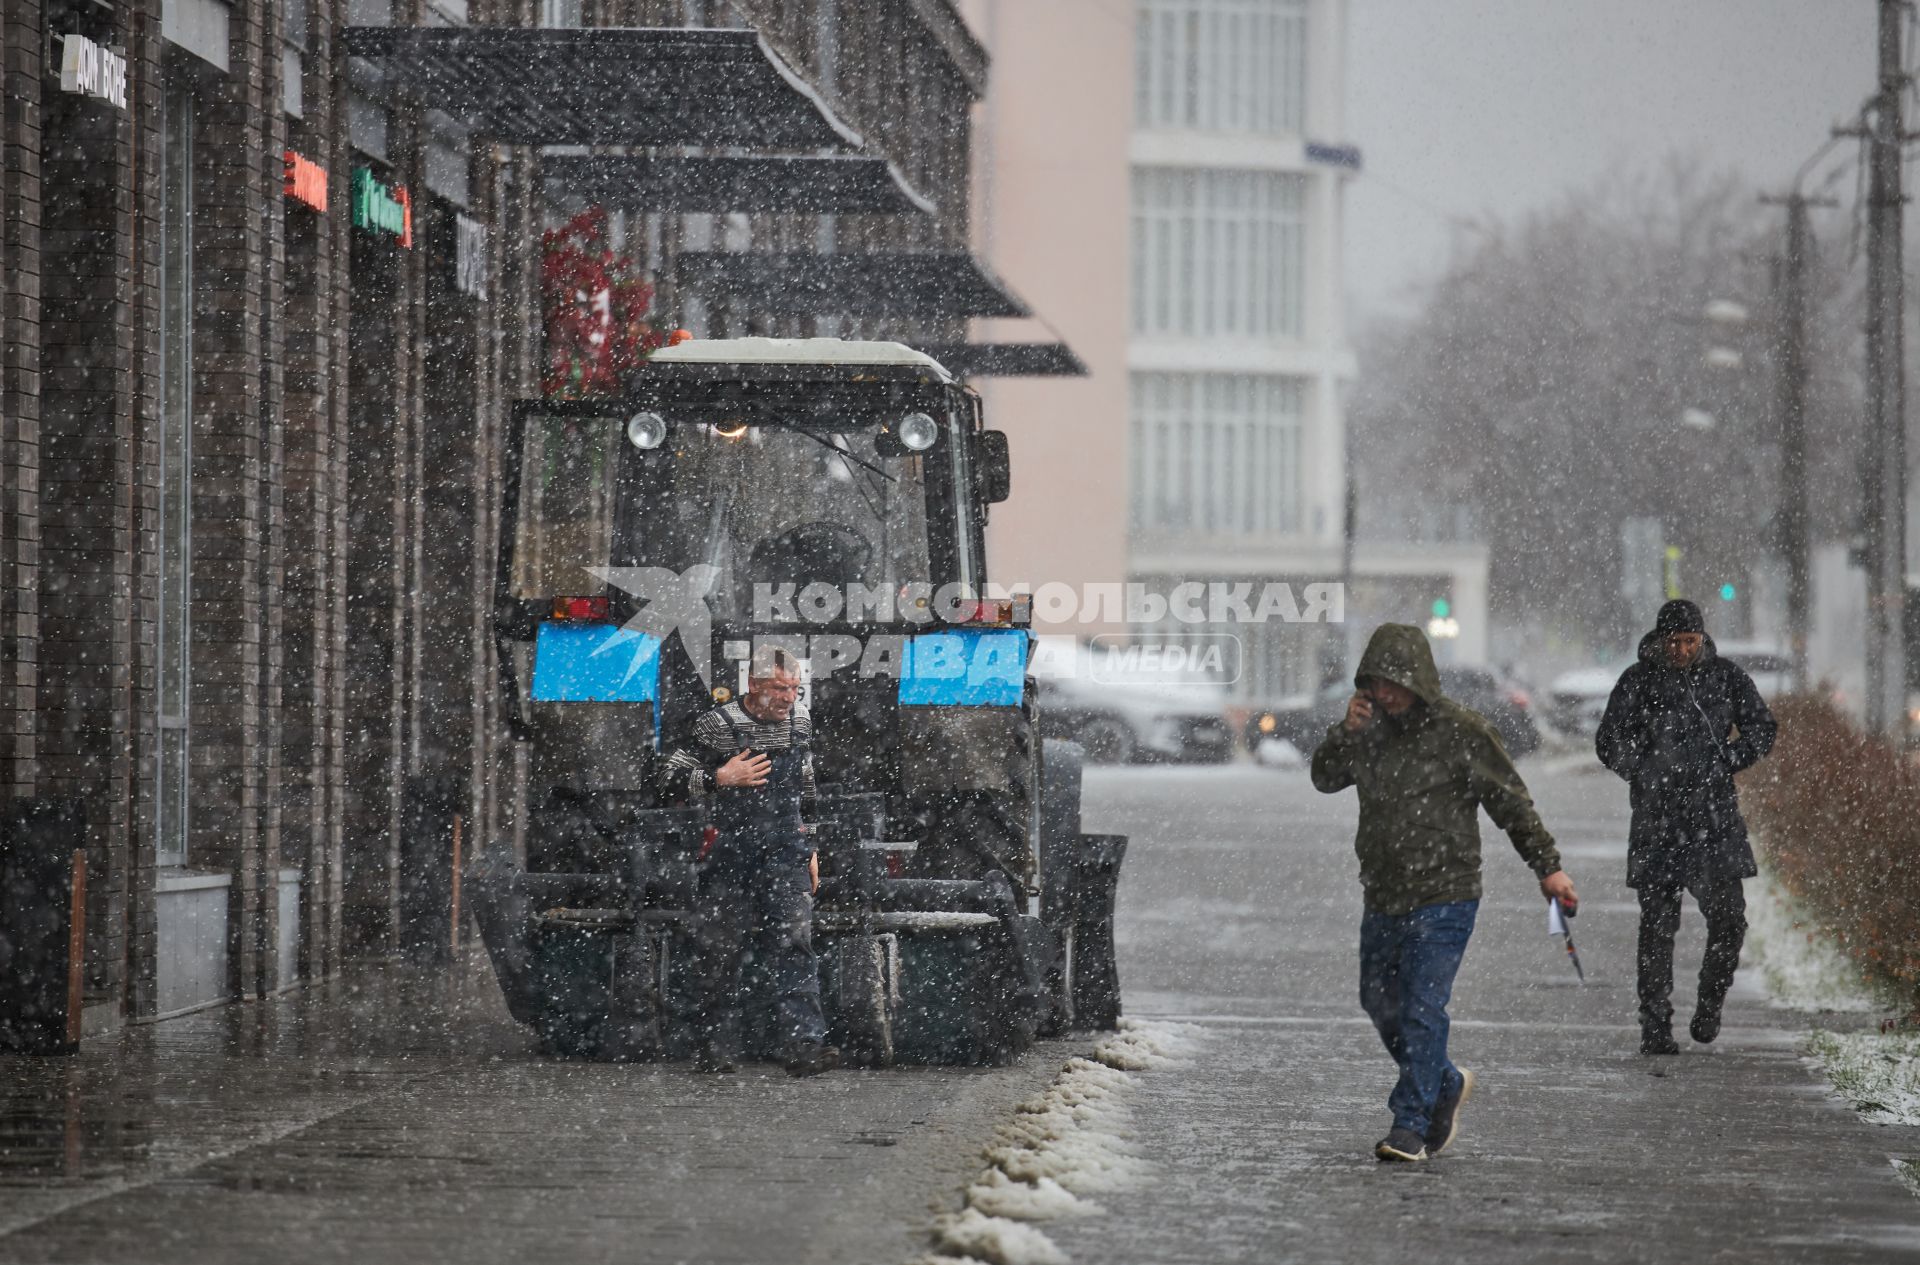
pixel 1240 913
pixel 396 1116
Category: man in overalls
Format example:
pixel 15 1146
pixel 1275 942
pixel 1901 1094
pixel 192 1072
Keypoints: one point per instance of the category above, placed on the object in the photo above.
pixel 749 763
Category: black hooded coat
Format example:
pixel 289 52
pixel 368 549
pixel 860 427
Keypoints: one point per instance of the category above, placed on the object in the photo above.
pixel 1678 735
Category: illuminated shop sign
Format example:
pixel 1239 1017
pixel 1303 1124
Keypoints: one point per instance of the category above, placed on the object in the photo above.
pixel 93 71
pixel 381 208
pixel 307 182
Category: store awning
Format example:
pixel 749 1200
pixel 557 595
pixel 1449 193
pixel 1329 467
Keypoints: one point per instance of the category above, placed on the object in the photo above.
pixel 947 284
pixel 606 85
pixel 764 183
pixel 1007 360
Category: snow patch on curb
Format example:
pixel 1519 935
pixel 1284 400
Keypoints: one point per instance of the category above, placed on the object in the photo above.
pixel 1066 1143
pixel 1878 1072
pixel 1802 970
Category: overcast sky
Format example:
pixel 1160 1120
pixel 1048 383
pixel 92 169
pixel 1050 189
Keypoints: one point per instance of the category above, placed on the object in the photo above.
pixel 1465 107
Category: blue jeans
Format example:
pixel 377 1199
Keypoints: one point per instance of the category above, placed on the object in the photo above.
pixel 1407 965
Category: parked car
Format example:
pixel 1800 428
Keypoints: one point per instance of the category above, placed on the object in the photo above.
pixel 1770 666
pixel 1507 706
pixel 1304 720
pixel 1579 698
pixel 1122 718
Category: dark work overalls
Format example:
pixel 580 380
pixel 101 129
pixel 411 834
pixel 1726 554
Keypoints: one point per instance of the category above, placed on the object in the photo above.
pixel 756 895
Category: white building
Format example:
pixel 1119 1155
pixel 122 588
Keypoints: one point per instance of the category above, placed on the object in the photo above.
pixel 1168 190
pixel 1238 355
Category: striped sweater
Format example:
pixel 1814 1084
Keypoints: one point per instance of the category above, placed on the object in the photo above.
pixel 686 776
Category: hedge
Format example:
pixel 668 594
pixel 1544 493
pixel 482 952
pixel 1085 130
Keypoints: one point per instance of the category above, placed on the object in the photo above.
pixel 1837 815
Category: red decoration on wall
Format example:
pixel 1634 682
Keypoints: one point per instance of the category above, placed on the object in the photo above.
pixel 596 305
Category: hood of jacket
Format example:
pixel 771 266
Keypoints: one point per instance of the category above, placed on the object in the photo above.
pixel 1653 651
pixel 1400 653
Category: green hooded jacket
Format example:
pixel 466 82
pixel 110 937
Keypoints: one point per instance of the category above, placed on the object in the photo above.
pixel 1423 776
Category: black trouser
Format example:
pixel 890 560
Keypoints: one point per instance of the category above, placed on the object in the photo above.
pixel 1724 906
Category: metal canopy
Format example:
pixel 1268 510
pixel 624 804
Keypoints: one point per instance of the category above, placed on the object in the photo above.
pixel 1007 360
pixel 606 85
pixel 776 183
pixel 924 285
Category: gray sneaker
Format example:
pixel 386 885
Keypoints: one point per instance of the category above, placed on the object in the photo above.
pixel 1402 1146
pixel 1446 1115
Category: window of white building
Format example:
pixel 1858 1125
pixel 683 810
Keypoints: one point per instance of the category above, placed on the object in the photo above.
pixel 1218 253
pixel 1216 454
pixel 1221 65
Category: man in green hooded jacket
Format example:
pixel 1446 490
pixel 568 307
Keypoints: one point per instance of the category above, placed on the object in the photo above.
pixel 1424 766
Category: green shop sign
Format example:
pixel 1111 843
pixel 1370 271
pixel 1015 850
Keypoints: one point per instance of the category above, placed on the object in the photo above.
pixel 380 208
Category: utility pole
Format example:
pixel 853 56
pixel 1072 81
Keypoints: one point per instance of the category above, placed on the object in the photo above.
pixel 1790 403
pixel 1886 448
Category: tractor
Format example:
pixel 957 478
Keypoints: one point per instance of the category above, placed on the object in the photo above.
pixel 830 496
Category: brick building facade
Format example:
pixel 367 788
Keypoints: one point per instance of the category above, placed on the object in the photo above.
pixel 249 464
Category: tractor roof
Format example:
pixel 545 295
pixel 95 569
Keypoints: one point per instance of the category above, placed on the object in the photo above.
pixel 795 351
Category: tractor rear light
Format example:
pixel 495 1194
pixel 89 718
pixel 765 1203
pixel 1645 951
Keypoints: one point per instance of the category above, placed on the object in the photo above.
pixel 996 612
pixel 583 610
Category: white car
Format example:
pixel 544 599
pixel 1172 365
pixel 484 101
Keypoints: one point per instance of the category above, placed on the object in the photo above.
pixel 1578 699
pixel 1123 715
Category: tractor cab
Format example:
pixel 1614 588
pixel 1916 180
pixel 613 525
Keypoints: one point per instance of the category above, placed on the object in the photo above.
pixel 828 496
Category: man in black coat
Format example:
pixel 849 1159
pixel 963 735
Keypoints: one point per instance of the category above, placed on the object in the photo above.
pixel 1681 722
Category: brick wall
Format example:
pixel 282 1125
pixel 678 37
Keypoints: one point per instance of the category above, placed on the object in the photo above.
pixel 310 639
pixel 22 49
pixel 232 303
pixel 98 474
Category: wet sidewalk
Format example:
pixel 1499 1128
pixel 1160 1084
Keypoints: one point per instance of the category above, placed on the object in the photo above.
pixel 399 1115
pixel 1241 917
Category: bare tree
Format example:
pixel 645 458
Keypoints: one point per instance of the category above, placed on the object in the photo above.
pixel 1545 384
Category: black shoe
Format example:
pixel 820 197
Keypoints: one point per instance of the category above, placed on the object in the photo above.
pixel 1705 1026
pixel 1446 1115
pixel 713 1060
pixel 1401 1145
pixel 1658 1041
pixel 811 1059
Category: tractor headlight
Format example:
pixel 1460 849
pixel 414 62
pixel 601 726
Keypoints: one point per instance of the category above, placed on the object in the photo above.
pixel 918 432
pixel 646 431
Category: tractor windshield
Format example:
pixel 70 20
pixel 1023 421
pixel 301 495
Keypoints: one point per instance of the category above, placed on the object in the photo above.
pixel 775 505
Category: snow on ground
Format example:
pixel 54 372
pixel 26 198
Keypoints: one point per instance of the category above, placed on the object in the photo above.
pixel 1877 1072
pixel 1801 968
pixel 1068 1143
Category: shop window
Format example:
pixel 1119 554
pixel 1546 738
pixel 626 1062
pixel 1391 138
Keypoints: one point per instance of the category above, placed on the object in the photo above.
pixel 176 414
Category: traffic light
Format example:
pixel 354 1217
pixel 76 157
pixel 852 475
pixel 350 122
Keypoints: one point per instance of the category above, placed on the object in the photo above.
pixel 1728 592
pixel 1442 608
